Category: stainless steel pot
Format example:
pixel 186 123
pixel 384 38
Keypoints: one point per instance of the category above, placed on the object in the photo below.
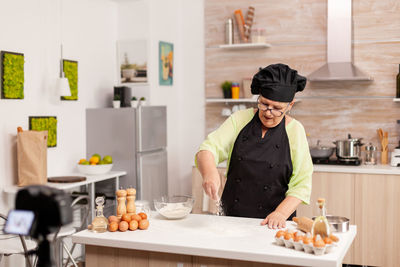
pixel 321 152
pixel 349 148
pixel 338 224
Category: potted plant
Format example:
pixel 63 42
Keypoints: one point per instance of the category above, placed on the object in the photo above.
pixel 143 101
pixel 128 71
pixel 227 89
pixel 117 101
pixel 134 102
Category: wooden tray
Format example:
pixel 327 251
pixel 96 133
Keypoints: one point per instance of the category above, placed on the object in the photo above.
pixel 66 179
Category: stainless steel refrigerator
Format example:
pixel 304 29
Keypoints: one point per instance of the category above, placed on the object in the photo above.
pixel 136 138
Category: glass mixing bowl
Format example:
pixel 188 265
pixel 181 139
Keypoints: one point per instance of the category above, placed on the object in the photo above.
pixel 174 207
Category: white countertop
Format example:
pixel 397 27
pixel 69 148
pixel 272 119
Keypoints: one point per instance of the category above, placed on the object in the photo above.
pixel 216 236
pixel 366 169
pixel 12 189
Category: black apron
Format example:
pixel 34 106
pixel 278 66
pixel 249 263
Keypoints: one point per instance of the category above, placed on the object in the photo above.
pixel 259 171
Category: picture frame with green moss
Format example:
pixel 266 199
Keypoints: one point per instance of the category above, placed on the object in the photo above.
pixel 12 75
pixel 45 123
pixel 70 68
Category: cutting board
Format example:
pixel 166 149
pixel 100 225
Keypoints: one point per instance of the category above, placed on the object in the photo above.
pixel 66 179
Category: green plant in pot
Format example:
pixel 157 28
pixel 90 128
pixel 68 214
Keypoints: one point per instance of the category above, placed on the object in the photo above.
pixel 134 102
pixel 143 101
pixel 117 101
pixel 227 89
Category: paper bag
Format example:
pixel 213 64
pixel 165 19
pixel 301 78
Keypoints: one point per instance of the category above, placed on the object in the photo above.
pixel 32 157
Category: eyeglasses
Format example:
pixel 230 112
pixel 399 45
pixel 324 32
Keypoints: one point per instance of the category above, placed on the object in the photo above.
pixel 274 112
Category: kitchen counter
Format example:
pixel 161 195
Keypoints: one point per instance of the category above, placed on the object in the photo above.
pixel 234 238
pixel 365 169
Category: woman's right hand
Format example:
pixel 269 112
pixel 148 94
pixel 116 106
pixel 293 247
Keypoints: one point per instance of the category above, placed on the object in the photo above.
pixel 211 186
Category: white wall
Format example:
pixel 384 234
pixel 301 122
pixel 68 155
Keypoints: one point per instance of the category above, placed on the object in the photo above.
pixel 33 28
pixel 179 22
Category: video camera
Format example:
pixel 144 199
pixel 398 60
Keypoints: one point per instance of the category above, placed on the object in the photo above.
pixel 39 211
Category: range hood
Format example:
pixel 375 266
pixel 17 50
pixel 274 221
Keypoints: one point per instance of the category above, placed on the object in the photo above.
pixel 339 66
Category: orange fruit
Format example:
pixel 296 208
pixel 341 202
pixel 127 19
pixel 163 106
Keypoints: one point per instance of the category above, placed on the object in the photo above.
pixel 82 161
pixel 94 160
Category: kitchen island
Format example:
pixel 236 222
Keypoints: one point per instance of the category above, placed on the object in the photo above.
pixel 202 240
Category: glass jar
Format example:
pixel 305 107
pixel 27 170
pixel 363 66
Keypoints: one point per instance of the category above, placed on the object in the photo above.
pixel 258 36
pixel 143 206
pixel 370 155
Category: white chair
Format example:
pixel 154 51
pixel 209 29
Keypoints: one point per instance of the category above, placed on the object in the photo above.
pixel 65 231
pixel 15 244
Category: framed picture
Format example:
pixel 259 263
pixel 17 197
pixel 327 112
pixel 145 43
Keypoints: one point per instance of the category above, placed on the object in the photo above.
pixel 132 61
pixel 166 63
pixel 70 68
pixel 45 123
pixel 12 75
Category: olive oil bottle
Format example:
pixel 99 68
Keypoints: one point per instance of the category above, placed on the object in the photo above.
pixel 398 84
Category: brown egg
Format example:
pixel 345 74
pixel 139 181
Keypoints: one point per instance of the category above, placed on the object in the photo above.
pixel 319 243
pixel 113 226
pixel 126 217
pixel 142 215
pixel 133 225
pixel 307 239
pixel 298 237
pixel 327 240
pixel 288 236
pixel 136 217
pixel 113 218
pixel 143 224
pixel 280 233
pixel 123 226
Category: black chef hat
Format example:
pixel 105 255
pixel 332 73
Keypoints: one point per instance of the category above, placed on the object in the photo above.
pixel 277 82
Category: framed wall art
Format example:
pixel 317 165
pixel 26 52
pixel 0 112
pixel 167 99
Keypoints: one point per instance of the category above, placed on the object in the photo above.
pixel 12 75
pixel 70 68
pixel 132 61
pixel 45 123
pixel 166 63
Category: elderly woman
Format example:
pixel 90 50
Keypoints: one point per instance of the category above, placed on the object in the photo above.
pixel 268 160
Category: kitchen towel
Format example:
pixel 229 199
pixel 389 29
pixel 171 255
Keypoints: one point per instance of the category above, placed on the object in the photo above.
pixel 32 157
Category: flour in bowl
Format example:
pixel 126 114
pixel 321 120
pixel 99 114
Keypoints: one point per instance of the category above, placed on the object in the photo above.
pixel 175 210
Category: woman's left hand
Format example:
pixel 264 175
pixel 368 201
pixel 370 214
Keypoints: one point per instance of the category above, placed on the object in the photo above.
pixel 275 220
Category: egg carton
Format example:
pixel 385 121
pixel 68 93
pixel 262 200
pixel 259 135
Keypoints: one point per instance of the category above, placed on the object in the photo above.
pixel 300 246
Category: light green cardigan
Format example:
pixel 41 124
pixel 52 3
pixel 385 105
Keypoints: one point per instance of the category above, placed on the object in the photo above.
pixel 220 143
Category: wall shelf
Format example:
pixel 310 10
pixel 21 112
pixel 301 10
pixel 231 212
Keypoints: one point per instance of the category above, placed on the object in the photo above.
pixel 230 100
pixel 240 100
pixel 396 99
pixel 245 46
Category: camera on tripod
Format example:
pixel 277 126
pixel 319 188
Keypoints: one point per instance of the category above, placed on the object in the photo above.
pixel 39 211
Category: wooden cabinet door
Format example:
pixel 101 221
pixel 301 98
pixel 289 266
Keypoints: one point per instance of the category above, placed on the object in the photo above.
pixel 377 209
pixel 338 190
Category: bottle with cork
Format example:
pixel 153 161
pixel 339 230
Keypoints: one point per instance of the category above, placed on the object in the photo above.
pixel 99 223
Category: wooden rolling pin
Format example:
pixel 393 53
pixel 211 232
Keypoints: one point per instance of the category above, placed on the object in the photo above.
pixel 304 224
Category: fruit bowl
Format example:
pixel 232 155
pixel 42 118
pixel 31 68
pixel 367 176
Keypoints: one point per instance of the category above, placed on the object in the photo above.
pixel 94 169
pixel 174 207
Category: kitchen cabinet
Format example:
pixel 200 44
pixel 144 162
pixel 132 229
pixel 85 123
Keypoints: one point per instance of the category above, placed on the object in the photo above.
pixel 377 214
pixel 338 190
pixel 370 201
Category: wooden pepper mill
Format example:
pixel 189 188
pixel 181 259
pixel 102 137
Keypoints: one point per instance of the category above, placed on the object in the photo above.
pixel 121 198
pixel 130 205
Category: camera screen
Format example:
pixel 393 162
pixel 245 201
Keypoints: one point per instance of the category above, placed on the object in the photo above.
pixel 19 222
